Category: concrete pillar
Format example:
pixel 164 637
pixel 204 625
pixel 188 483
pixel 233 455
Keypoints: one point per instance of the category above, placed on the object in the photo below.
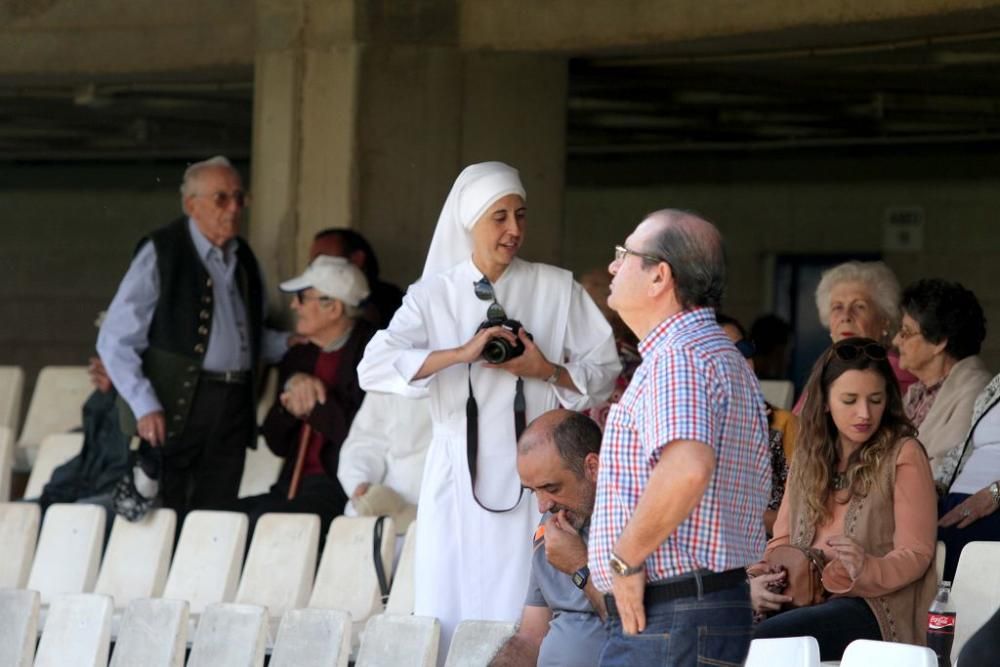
pixel 362 121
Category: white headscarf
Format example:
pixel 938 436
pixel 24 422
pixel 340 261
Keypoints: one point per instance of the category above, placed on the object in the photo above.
pixel 474 191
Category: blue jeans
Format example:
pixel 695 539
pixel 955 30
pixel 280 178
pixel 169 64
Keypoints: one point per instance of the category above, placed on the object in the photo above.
pixel 710 629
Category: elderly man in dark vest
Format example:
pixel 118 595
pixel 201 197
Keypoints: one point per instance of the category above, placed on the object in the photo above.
pixel 183 339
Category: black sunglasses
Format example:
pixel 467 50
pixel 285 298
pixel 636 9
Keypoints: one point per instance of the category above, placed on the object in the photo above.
pixel 850 351
pixel 484 292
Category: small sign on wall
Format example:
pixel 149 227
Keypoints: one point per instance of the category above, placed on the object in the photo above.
pixel 903 229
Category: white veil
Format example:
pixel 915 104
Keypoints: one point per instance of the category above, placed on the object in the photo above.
pixel 474 191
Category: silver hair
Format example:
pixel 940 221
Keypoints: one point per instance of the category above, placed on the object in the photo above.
pixel 193 171
pixel 878 279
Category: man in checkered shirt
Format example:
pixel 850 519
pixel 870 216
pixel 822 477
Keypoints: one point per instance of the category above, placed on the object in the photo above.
pixel 684 474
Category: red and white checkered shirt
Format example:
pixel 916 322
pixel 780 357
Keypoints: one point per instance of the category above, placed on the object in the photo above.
pixel 692 385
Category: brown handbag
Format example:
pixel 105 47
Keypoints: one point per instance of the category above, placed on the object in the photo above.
pixel 803 574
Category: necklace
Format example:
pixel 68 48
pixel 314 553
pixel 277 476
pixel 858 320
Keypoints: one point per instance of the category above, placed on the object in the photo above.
pixel 839 481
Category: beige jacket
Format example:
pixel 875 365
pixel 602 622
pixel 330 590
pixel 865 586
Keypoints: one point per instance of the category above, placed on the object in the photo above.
pixel 948 419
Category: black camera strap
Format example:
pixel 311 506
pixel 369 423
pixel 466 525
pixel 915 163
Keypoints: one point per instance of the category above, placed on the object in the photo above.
pixel 472 437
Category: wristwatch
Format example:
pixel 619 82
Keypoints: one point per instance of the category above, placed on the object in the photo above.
pixel 623 569
pixel 556 374
pixel 581 577
pixel 995 492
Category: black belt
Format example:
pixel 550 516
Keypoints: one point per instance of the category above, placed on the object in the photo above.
pixel 685 588
pixel 228 377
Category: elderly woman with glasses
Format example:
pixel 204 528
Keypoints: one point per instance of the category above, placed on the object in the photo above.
pixel 942 331
pixel 495 341
pixel 861 299
pixel 860 497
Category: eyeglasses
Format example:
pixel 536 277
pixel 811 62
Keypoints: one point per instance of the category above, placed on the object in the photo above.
pixel 303 297
pixel 905 333
pixel 222 199
pixel 621 251
pixel 850 351
pixel 484 292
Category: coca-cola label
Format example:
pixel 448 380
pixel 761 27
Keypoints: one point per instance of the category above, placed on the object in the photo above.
pixel 940 622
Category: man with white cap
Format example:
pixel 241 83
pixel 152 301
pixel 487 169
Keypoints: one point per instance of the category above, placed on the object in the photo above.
pixel 474 524
pixel 320 390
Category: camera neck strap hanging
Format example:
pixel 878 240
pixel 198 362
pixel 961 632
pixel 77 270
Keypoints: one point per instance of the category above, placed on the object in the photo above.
pixel 472 437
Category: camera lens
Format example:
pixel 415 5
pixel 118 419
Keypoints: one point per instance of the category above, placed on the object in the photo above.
pixel 496 351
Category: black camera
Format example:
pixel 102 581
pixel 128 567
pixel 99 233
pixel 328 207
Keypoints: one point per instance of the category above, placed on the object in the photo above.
pixel 498 350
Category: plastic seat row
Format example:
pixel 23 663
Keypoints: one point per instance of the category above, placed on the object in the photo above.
pixel 154 633
pixel 280 572
pixel 55 409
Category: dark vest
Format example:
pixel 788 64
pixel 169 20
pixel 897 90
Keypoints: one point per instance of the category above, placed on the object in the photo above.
pixel 178 334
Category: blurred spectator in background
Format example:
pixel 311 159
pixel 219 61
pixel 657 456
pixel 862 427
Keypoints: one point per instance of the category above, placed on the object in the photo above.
pixel 384 298
pixel 782 425
pixel 597 283
pixel 382 459
pixel 772 339
pixel 942 331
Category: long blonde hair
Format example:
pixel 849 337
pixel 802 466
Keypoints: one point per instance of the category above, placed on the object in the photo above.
pixel 817 451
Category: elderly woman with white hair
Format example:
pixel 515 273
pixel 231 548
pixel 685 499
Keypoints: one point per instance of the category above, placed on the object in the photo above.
pixel 458 336
pixel 861 299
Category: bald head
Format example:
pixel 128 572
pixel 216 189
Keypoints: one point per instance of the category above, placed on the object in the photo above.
pixel 574 435
pixel 693 248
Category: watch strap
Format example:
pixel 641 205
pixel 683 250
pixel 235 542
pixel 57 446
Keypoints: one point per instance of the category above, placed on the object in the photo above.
pixel 621 568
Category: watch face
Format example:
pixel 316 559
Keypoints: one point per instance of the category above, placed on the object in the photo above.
pixel 580 577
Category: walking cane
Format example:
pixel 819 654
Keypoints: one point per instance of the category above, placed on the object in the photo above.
pixel 300 460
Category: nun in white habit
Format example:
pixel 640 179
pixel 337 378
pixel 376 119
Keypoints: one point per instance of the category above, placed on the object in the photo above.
pixel 473 548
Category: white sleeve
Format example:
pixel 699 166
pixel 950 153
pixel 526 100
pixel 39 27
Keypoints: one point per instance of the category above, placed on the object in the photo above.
pixel 363 453
pixel 590 354
pixel 394 355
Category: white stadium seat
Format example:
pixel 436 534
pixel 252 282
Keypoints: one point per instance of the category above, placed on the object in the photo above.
pixel 69 551
pixel 18 627
pixel 401 594
pixel 313 638
pixel 346 577
pixel 11 390
pixel 6 461
pixel 18 534
pixel 260 471
pixel 779 393
pixel 206 566
pixel 476 642
pixel 56 404
pixel 77 632
pixel 153 634
pixel 54 451
pixel 230 635
pixel 975 591
pixel 137 558
pixel 785 651
pixel 279 569
pixel 868 653
pixel 391 640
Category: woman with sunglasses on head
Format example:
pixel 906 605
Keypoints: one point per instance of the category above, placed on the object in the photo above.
pixel 475 525
pixel 859 491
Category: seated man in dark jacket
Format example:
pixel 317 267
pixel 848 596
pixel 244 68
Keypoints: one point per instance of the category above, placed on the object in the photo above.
pixel 320 391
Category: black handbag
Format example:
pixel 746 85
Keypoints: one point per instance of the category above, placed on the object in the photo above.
pixel 138 491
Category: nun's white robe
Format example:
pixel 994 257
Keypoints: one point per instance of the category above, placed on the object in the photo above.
pixel 470 563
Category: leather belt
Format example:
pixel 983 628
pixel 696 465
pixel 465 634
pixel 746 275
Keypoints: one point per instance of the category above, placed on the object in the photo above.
pixel 686 587
pixel 228 377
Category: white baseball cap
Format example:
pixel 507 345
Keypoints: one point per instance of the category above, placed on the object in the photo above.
pixel 331 276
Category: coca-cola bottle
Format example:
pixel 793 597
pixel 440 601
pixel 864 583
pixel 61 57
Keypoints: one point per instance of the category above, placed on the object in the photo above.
pixel 941 624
